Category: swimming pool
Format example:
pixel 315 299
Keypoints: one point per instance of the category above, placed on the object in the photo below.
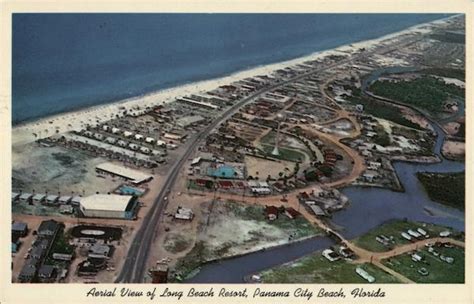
pixel 128 190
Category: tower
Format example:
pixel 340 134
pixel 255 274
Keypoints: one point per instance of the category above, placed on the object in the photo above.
pixel 279 118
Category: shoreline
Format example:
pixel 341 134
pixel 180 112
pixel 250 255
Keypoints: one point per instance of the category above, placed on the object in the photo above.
pixel 23 133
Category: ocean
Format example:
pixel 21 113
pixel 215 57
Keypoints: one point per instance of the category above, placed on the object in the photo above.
pixel 63 62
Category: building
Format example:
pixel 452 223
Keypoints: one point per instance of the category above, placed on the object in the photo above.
pixel 99 251
pixel 28 272
pixel 48 228
pixel 291 213
pixel 76 200
pixel 19 229
pixel 47 274
pixel 189 120
pixel 134 176
pixel 52 199
pixel 184 214
pixel 39 198
pixel 26 198
pixel 15 243
pixel 15 197
pixel 65 199
pixel 109 206
pixel 159 274
pixel 271 212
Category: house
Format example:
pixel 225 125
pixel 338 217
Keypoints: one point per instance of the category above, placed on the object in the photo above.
pixel 271 212
pixel 76 201
pixel 52 199
pixel 48 228
pixel 47 274
pixel 28 272
pixel 20 229
pixel 184 214
pixel 99 251
pixel 364 274
pixel 15 197
pixel 65 199
pixel 38 198
pixel 291 213
pixel 346 252
pixel 62 256
pixel 26 198
pixel 15 243
pixel 330 255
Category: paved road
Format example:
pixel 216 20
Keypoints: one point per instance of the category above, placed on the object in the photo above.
pixel 133 270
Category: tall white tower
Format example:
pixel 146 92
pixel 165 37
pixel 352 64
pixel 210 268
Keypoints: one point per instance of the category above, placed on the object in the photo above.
pixel 279 118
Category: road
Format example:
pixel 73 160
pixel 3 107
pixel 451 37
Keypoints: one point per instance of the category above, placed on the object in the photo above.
pixel 133 270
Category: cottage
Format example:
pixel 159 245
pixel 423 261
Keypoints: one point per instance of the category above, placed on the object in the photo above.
pixel 99 251
pixel 150 140
pixel 15 197
pixel 330 255
pixel 52 199
pixel 28 272
pixel 48 228
pixel 291 213
pixel 19 229
pixel 65 199
pixel 139 136
pixel 364 274
pixel 184 214
pixel 271 212
pixel 127 134
pixel 38 198
pixel 76 201
pixel 26 198
pixel 15 243
pixel 47 273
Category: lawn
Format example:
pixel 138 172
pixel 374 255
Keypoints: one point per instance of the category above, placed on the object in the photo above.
pixel 439 271
pixel 285 154
pixel 426 92
pixel 317 269
pixel 394 228
pixel 445 188
pixel 381 110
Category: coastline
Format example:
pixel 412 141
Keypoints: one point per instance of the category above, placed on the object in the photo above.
pixel 76 120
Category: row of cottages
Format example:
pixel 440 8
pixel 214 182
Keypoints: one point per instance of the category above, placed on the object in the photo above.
pixel 40 198
pixel 272 212
pixel 34 270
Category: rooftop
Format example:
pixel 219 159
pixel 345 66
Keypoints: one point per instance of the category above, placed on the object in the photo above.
pixel 134 175
pixel 110 202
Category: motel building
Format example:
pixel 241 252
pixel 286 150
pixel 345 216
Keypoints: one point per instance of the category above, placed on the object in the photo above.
pixel 109 206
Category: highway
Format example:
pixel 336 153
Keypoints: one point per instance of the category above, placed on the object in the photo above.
pixel 134 268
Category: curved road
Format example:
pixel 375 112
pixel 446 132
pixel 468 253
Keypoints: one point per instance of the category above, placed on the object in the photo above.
pixel 134 267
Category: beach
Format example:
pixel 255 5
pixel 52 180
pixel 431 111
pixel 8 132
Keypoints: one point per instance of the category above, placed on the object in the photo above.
pixel 77 120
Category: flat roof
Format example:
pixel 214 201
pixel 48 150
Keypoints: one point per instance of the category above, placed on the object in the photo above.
pixel 108 202
pixel 134 175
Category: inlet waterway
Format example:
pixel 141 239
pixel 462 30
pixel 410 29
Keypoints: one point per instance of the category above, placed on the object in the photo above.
pixel 369 208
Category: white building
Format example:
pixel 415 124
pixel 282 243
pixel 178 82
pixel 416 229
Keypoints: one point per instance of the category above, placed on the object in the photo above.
pixel 134 176
pixel 108 206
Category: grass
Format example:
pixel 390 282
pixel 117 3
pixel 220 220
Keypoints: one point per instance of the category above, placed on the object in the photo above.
pixel 446 72
pixel 175 243
pixel 285 154
pixel 380 110
pixel 317 269
pixel 381 138
pixel 445 188
pixel 394 228
pixel 439 271
pixel 426 92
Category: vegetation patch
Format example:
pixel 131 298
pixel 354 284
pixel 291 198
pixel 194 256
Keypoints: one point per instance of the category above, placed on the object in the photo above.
pixel 285 154
pixel 445 188
pixel 394 229
pixel 317 269
pixel 438 271
pixel 381 110
pixel 426 92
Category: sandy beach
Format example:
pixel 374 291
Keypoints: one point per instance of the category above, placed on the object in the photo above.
pixel 76 120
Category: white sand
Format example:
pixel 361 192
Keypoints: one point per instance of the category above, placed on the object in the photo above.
pixel 77 120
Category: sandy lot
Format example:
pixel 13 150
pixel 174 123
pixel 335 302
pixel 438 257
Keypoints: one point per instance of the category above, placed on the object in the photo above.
pixel 266 167
pixel 55 169
pixel 454 149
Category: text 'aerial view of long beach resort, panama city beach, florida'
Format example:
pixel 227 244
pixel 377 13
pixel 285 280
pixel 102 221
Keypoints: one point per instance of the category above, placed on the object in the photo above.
pixel 238 148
